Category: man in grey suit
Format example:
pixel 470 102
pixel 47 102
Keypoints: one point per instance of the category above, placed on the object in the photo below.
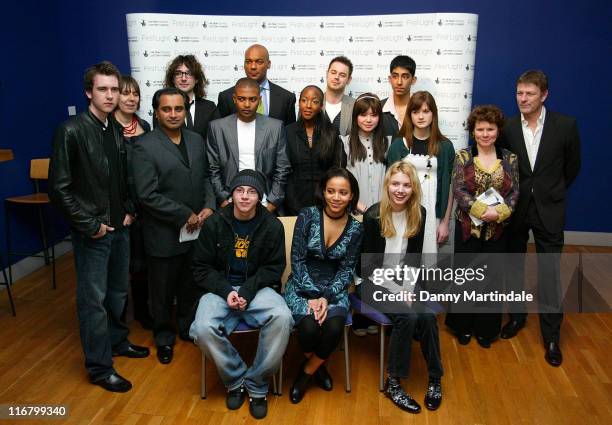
pixel 248 140
pixel 173 186
pixel 338 106
pixel 275 101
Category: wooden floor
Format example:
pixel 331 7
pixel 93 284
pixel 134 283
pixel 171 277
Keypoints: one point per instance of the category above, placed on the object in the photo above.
pixel 41 362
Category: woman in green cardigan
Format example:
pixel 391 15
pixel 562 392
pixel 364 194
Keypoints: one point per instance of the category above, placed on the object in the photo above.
pixel 433 155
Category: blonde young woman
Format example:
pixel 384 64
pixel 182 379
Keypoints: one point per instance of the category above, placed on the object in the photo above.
pixel 395 227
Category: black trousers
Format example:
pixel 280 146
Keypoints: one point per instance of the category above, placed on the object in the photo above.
pixel 170 277
pixel 549 280
pixel 486 324
pixel 423 327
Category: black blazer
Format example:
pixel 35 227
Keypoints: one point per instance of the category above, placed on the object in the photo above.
pixel 282 103
pixel 205 112
pixel 556 167
pixel 169 189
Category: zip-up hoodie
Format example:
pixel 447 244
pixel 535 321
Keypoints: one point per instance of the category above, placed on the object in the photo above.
pixel 214 248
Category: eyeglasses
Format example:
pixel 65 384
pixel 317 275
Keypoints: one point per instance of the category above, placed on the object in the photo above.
pixel 242 191
pixel 179 74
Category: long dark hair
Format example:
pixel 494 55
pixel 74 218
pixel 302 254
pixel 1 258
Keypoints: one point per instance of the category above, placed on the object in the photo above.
pixel 417 100
pixel 327 132
pixel 357 152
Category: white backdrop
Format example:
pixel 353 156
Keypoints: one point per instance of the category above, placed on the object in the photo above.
pixel 442 44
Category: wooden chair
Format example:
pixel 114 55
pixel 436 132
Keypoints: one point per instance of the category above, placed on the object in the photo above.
pixel 39 170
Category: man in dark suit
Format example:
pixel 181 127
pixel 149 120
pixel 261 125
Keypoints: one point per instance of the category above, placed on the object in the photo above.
pixel 248 140
pixel 186 74
pixel 276 102
pixel 173 186
pixel 548 148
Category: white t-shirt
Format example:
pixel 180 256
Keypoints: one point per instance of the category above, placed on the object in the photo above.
pixel 332 110
pixel 246 145
pixel 397 244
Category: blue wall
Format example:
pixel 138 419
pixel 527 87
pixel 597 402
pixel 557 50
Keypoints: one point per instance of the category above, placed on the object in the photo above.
pixel 49 44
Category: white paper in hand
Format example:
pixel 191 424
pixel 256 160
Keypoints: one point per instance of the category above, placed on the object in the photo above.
pixel 185 236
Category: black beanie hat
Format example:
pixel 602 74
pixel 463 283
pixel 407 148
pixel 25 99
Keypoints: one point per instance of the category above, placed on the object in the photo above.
pixel 250 178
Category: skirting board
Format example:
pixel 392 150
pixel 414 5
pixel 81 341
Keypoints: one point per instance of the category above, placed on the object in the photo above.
pixel 28 265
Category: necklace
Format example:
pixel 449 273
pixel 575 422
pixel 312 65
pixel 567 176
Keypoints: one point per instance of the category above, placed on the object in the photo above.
pixel 331 216
pixel 131 128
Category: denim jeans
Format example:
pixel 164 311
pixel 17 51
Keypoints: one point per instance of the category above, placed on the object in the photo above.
pixel 215 321
pixel 102 285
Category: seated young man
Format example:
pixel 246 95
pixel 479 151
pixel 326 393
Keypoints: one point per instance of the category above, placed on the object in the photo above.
pixel 239 259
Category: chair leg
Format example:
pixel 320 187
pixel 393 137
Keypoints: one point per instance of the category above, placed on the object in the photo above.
pixel 280 379
pixel 9 292
pixel 8 242
pixel 43 237
pixel 381 384
pixel 203 377
pixel 347 372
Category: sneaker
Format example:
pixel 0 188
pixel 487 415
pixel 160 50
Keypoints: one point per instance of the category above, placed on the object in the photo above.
pixel 360 332
pixel 258 407
pixel 235 398
pixel 396 393
pixel 433 397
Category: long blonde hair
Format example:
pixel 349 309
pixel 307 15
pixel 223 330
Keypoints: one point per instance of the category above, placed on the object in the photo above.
pixel 413 208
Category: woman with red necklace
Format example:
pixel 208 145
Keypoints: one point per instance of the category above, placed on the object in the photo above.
pixel 133 128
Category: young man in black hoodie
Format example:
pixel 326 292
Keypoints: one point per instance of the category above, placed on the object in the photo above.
pixel 239 259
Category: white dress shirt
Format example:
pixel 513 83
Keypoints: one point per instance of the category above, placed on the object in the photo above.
pixel 532 138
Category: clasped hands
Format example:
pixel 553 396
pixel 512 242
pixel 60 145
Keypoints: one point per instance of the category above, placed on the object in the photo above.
pixel 195 222
pixel 236 302
pixel 318 307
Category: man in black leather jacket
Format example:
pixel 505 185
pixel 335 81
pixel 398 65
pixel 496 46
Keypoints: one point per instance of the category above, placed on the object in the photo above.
pixel 88 183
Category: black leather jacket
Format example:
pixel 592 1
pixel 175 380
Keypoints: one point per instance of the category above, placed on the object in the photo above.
pixel 79 172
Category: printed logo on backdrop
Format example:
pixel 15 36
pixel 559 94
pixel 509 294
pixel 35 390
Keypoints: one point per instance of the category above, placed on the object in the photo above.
pixel 301 47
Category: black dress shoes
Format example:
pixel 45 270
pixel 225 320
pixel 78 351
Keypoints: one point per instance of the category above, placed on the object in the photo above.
pixel 511 328
pixel 164 354
pixel 483 342
pixel 132 351
pixel 299 386
pixel 464 339
pixel 115 383
pixel 553 354
pixel 323 379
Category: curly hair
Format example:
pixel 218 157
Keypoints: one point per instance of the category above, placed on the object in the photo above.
pixel 194 66
pixel 487 113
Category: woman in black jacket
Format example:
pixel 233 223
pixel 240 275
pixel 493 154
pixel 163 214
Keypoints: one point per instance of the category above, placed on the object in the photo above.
pixel 313 147
pixel 134 128
pixel 395 227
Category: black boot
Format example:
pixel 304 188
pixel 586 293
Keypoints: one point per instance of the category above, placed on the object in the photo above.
pixel 396 393
pixel 299 385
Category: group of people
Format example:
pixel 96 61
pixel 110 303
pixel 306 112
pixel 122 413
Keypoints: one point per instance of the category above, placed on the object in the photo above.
pixel 188 211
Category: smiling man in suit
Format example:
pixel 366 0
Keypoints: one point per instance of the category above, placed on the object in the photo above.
pixel 276 102
pixel 548 148
pixel 186 74
pixel 173 186
pixel 248 140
